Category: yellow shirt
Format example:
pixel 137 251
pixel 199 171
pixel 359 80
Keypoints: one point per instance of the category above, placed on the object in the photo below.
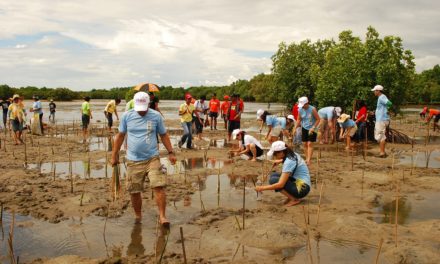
pixel 187 116
pixel 15 111
pixel 111 107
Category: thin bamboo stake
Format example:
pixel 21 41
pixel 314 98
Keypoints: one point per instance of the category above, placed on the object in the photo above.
pixel 182 238
pixel 397 211
pixel 319 203
pixel 202 205
pixel 11 240
pixel 106 165
pixel 1 213
pixel 378 250
pixel 309 248
pixel 71 172
pixel 244 199
pixel 238 223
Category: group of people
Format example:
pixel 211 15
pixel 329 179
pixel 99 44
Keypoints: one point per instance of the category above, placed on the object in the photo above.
pixel 15 116
pixel 431 114
pixel 196 112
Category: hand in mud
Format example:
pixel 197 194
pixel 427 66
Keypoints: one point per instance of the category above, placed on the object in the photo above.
pixel 258 188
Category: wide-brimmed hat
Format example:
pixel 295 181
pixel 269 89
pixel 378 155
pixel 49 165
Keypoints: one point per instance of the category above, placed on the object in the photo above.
pixel 15 96
pixel 343 118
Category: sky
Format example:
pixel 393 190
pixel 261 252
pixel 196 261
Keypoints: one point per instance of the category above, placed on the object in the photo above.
pixel 102 44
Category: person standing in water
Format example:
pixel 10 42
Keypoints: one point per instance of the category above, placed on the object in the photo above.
pixel 110 108
pixel 52 110
pixel 86 115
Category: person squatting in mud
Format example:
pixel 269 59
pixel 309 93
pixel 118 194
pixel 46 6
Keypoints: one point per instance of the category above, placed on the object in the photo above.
pixel 294 179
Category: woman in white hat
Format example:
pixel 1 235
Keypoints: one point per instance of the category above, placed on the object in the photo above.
pixel 328 116
pixel 348 129
pixel 294 180
pixel 247 145
pixel 276 125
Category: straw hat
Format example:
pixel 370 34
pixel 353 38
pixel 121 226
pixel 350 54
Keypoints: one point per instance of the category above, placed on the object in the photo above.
pixel 343 118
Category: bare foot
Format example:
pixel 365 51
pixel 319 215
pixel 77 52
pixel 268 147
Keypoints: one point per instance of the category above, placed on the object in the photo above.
pixel 286 201
pixel 138 219
pixel 293 203
pixel 254 159
pixel 165 223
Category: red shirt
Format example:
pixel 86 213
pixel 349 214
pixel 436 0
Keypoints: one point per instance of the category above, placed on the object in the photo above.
pixel 234 108
pixel 363 114
pixel 225 107
pixel 295 111
pixel 214 105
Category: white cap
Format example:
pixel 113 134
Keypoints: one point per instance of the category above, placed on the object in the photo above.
pixel 302 101
pixel 235 133
pixel 290 117
pixel 141 101
pixel 260 112
pixel 377 88
pixel 338 111
pixel 276 146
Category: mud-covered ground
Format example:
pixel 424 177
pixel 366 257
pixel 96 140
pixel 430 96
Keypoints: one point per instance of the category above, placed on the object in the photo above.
pixel 353 193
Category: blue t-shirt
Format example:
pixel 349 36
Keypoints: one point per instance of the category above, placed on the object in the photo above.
pixel 37 105
pixel 381 108
pixel 326 113
pixel 348 123
pixel 275 121
pixel 301 172
pixel 307 117
pixel 141 132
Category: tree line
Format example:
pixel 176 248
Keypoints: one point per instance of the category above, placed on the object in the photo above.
pixel 329 72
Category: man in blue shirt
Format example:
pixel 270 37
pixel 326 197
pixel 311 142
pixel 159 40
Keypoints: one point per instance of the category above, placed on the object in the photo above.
pixel 38 108
pixel 382 118
pixel 141 124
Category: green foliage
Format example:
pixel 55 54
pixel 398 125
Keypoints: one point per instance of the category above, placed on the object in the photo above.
pixel 6 91
pixel 337 73
pixel 426 87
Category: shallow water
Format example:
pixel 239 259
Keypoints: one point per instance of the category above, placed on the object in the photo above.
pixel 421 159
pixel 412 209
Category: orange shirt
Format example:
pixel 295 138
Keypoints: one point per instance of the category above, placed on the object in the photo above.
pixel 433 112
pixel 225 107
pixel 214 105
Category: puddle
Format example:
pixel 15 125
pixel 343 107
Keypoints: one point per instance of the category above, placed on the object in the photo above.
pixel 230 195
pixel 411 209
pixel 421 159
pixel 85 237
pixel 432 139
pixel 332 251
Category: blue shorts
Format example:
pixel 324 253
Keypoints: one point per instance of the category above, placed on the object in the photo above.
pixel 85 121
pixel 292 186
pixel 16 125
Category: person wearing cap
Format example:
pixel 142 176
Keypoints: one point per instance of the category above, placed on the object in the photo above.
pixel 382 118
pixel 16 118
pixel 348 129
pixel 433 113
pixel 361 119
pixel 5 103
pixel 294 179
pixel 201 109
pixel 276 125
pixel 52 110
pixel 234 114
pixel 86 115
pixel 37 108
pixel 214 105
pixel 186 111
pixel 141 124
pixel 109 109
pixel 247 145
pixel 224 110
pixel 328 116
pixel 309 119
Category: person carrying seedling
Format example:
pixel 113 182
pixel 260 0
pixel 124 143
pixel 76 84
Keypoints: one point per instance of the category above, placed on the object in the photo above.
pixel 141 125
pixel 348 129
pixel 294 179
pixel 248 145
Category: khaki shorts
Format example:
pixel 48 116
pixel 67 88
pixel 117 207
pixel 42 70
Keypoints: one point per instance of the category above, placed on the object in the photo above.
pixel 380 130
pixel 352 131
pixel 138 170
pixel 276 131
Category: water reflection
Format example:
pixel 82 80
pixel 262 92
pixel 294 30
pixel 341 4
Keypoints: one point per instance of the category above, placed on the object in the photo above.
pixel 136 248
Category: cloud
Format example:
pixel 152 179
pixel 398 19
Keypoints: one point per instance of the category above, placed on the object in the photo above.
pixel 189 42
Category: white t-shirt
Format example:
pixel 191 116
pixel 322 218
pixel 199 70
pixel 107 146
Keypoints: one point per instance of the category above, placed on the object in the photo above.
pixel 201 107
pixel 248 139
